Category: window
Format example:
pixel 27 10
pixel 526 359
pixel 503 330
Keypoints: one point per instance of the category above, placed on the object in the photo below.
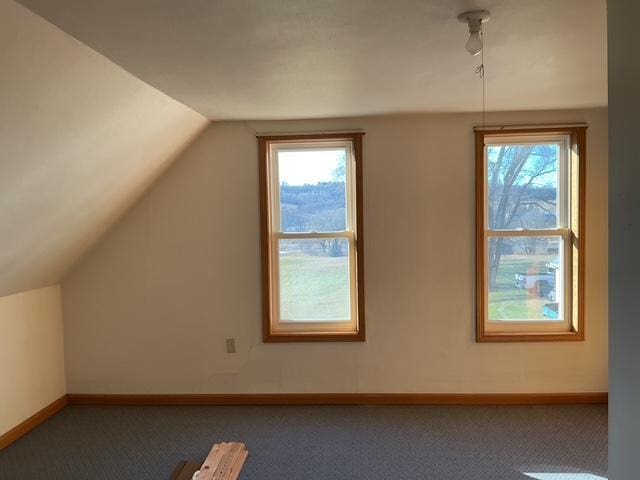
pixel 530 234
pixel 312 254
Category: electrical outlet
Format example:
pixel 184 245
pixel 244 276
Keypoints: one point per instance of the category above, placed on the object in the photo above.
pixel 231 345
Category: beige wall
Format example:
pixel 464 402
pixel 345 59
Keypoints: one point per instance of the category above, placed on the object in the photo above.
pixel 148 310
pixel 80 140
pixel 31 354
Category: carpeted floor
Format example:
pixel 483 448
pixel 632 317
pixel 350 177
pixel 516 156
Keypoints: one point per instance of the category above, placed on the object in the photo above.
pixel 323 443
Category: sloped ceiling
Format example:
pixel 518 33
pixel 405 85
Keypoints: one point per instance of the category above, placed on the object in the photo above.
pixel 80 140
pixel 268 59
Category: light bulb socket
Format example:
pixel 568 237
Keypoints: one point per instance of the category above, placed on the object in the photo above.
pixel 475 18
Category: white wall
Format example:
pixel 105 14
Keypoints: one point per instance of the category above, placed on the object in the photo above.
pixel 147 311
pixel 31 354
pixel 624 195
pixel 80 140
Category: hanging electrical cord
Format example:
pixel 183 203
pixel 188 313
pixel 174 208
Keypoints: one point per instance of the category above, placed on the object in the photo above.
pixel 475 45
pixel 480 71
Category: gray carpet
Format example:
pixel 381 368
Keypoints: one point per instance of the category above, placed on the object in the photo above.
pixel 323 443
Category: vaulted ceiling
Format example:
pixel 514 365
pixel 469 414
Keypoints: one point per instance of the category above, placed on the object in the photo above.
pixel 254 59
pixel 88 123
pixel 80 139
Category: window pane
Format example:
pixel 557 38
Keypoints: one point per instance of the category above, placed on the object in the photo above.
pixel 522 182
pixel 314 280
pixel 525 278
pixel 312 190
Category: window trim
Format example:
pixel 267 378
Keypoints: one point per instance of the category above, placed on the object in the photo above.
pixel 265 143
pixel 575 330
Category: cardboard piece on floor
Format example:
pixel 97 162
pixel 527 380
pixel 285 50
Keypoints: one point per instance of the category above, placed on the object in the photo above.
pixel 185 470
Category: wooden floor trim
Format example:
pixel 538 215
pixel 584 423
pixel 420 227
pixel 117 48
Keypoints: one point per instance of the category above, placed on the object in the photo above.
pixel 302 399
pixel 343 399
pixel 32 422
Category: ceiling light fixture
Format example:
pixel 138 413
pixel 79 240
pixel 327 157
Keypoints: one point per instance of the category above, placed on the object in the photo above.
pixel 475 19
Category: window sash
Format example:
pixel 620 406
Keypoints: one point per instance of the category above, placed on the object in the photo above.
pixel 564 172
pixel 274 175
pixel 518 325
pixel 280 325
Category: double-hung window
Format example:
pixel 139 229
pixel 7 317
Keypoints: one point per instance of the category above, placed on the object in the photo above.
pixel 312 258
pixel 530 233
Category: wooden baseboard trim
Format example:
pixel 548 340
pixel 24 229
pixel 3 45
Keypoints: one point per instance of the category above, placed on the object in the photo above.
pixel 32 422
pixel 343 399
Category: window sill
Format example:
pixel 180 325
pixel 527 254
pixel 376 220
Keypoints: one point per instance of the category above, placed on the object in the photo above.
pixel 313 337
pixel 497 337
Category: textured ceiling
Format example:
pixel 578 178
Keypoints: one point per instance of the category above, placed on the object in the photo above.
pixel 254 59
pixel 80 140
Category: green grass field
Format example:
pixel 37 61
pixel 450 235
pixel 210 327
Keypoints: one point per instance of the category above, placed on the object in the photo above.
pixel 317 288
pixel 507 302
pixel 314 288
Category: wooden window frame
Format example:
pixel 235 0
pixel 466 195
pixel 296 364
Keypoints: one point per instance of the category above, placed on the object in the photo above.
pixel 575 235
pixel 271 335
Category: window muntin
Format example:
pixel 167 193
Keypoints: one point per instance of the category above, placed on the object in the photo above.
pixel 527 240
pixel 312 291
